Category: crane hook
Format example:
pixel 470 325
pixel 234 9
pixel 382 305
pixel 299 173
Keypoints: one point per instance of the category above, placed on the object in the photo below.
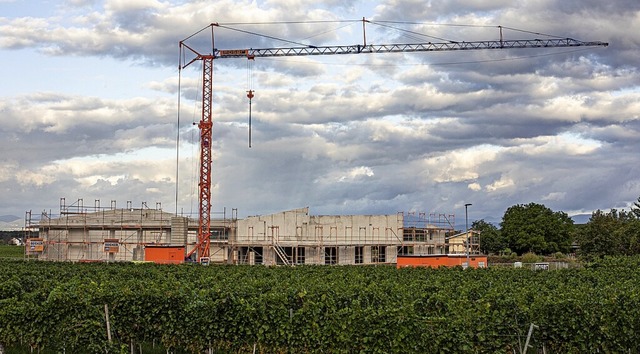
pixel 250 96
pixel 250 91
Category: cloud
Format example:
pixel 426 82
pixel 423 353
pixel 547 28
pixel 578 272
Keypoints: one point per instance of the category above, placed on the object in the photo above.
pixel 343 134
pixel 554 196
pixel 460 165
pixel 503 183
pixel 474 187
pixel 351 175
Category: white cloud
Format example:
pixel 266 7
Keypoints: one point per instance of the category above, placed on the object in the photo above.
pixel 37 179
pixel 356 173
pixel 564 143
pixel 555 196
pixel 503 183
pixel 461 165
pixel 474 187
pixel 350 175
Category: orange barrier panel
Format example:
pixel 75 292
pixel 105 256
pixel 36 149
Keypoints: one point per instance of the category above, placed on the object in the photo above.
pixel 164 254
pixel 441 260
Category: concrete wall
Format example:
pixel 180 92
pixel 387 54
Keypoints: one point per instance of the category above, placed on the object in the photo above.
pixel 349 239
pixel 266 229
pixel 345 255
pixel 296 227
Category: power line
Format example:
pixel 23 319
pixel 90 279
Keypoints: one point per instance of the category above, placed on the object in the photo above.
pixel 412 32
pixel 263 35
pixel 436 24
pixel 331 30
pixel 530 32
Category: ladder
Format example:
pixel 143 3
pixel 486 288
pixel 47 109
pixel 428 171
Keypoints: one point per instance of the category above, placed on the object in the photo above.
pixel 281 253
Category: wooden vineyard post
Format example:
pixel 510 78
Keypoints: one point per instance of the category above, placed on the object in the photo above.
pixel 106 316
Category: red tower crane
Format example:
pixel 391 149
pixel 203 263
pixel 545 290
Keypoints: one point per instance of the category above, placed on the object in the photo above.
pixel 204 224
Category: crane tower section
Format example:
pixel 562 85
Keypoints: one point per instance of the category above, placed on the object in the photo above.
pixel 205 126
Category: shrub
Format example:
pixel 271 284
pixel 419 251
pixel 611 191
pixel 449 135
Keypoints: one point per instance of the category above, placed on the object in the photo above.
pixel 530 257
pixel 559 255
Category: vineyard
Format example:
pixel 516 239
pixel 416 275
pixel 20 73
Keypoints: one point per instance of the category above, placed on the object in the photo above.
pixel 63 307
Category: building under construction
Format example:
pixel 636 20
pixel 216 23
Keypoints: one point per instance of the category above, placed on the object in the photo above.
pixel 81 233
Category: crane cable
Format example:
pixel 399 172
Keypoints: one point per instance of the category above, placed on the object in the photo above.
pixel 250 90
pixel 178 127
pixel 195 155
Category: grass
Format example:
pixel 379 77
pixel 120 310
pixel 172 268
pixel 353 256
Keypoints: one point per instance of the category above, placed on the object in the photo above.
pixel 11 251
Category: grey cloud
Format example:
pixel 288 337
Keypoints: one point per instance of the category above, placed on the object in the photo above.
pixel 413 121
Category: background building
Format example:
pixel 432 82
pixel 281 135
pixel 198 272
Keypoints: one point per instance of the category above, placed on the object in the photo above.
pixel 458 243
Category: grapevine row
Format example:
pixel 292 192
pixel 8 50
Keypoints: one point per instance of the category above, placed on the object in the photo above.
pixel 313 309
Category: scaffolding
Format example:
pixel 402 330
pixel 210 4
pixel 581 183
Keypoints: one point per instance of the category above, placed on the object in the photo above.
pixel 96 233
pixel 426 233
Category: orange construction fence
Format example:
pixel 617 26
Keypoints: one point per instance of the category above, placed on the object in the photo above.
pixel 441 260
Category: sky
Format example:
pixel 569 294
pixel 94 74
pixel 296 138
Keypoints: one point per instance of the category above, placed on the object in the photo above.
pixel 92 103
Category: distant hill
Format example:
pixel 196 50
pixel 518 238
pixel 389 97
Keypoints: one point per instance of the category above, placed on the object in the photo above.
pixel 460 222
pixel 11 223
pixel 9 218
pixel 578 219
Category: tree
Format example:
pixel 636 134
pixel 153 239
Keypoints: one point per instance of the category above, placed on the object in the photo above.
pixel 491 240
pixel 536 228
pixel 635 208
pixel 610 234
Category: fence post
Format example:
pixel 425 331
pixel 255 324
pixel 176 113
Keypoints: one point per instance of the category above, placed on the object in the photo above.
pixel 526 344
pixel 106 317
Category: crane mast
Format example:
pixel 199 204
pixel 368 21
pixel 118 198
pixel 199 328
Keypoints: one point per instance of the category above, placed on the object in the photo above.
pixel 203 242
pixel 205 125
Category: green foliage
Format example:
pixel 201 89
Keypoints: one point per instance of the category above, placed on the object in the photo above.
pixel 613 233
pixel 11 251
pixel 635 208
pixel 530 257
pixel 318 309
pixel 559 256
pixel 504 256
pixel 491 240
pixel 536 228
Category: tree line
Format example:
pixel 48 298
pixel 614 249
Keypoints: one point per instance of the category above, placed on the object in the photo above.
pixel 6 236
pixel 536 228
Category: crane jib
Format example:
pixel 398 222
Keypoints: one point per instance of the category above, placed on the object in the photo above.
pixel 399 48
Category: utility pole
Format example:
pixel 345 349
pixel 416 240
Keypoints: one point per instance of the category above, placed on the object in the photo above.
pixel 466 225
